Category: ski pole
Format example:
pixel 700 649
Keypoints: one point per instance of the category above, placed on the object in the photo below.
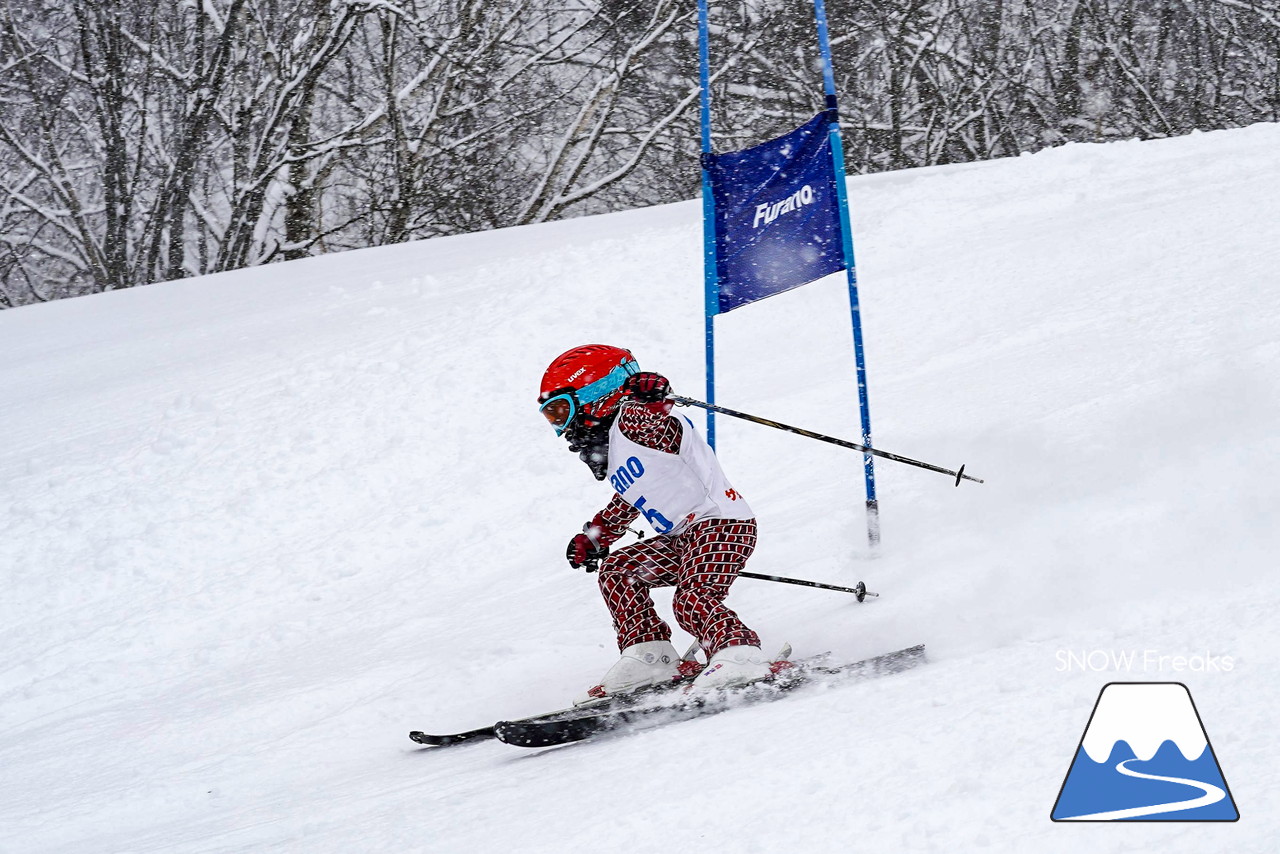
pixel 958 475
pixel 859 590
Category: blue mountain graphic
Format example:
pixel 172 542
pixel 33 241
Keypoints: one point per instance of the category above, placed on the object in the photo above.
pixel 1096 787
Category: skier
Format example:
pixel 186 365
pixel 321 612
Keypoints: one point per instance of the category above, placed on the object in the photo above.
pixel 618 420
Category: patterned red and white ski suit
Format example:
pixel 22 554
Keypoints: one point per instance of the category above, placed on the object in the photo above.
pixel 700 558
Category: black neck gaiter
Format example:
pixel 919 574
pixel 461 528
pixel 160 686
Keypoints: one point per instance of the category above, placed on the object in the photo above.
pixel 592 446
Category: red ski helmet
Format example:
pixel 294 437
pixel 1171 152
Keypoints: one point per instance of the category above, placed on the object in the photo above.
pixel 585 382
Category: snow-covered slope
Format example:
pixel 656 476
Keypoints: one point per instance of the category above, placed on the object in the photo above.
pixel 257 526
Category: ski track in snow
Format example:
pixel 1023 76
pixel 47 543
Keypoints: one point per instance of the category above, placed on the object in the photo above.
pixel 256 527
pixel 1211 794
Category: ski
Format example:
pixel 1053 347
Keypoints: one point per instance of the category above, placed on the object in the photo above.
pixel 554 730
pixel 604 704
pixel 600 706
pixel 431 740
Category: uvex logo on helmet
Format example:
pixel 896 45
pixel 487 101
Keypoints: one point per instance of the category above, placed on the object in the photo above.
pixel 585 383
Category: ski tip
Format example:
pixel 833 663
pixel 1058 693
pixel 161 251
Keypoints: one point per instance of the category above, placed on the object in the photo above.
pixel 431 740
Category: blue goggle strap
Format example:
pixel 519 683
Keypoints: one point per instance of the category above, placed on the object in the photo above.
pixel 609 383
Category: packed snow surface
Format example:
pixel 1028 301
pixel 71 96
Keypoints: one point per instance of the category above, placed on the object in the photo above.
pixel 255 527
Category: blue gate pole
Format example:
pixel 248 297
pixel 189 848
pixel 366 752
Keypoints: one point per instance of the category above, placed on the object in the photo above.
pixel 837 156
pixel 711 283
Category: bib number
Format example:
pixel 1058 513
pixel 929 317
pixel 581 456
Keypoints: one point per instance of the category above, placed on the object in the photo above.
pixel 653 516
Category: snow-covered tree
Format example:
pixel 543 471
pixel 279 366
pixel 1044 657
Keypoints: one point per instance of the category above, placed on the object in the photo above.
pixel 144 140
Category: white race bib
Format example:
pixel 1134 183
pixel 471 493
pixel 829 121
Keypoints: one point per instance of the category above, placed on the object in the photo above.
pixel 673 491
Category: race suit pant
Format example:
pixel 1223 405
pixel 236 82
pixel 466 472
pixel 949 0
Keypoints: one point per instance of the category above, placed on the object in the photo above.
pixel 700 563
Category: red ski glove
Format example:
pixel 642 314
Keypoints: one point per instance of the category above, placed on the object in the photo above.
pixel 581 550
pixel 647 387
pixel 591 544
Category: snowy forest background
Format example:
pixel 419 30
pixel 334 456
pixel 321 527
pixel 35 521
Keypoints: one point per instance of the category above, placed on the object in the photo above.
pixel 149 140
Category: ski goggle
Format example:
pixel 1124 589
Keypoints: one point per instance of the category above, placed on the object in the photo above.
pixel 563 407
